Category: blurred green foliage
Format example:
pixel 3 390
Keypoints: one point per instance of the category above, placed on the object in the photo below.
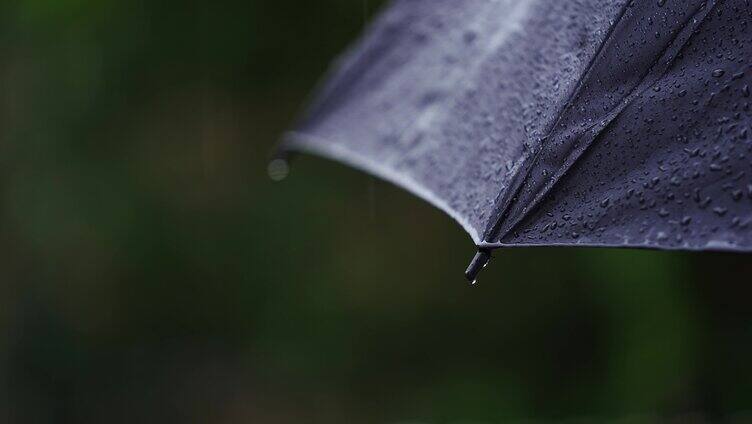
pixel 152 273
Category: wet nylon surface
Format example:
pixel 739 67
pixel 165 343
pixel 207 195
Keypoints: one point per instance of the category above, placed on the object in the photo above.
pixel 447 98
pixel 674 169
pixel 548 123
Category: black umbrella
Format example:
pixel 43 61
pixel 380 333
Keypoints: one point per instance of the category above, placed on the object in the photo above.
pixel 619 123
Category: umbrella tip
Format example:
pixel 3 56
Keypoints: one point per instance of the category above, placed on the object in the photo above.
pixel 480 260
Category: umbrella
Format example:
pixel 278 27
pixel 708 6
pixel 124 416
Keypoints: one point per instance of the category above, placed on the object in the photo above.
pixel 614 123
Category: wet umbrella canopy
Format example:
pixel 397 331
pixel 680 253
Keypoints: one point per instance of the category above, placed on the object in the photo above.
pixel 615 123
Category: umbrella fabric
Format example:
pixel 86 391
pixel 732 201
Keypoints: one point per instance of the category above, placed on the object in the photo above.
pixel 591 122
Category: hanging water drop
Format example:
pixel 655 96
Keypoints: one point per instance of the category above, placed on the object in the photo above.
pixel 278 169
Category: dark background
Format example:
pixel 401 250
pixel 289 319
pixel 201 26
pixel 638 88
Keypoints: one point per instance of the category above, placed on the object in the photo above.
pixel 151 272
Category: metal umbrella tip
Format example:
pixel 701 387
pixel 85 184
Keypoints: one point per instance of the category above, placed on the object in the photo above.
pixel 480 260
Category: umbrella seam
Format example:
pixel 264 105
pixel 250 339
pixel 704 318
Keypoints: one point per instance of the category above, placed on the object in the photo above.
pixel 496 230
pixel 505 198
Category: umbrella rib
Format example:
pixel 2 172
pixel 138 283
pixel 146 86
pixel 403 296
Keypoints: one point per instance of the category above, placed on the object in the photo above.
pixel 505 222
pixel 507 197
